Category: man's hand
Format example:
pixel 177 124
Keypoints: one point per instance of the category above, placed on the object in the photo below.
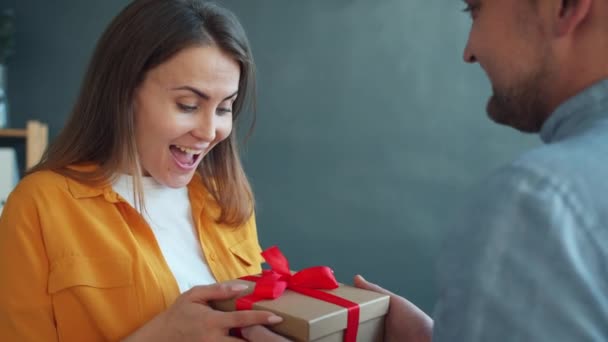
pixel 405 322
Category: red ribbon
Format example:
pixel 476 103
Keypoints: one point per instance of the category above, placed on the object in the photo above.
pixel 272 283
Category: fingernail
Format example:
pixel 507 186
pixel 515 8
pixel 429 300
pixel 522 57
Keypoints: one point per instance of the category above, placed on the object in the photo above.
pixel 239 287
pixel 275 319
pixel 360 276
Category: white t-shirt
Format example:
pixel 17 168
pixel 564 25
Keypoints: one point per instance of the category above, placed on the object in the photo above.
pixel 169 215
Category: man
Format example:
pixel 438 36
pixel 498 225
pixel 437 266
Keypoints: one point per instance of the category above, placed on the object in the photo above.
pixel 529 261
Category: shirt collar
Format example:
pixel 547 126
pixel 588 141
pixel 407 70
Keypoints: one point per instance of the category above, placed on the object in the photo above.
pixel 82 191
pixel 576 113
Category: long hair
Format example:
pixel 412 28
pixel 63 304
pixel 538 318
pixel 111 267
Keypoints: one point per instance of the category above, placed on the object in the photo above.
pixel 100 129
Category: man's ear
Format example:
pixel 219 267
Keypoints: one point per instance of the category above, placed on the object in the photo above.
pixel 570 14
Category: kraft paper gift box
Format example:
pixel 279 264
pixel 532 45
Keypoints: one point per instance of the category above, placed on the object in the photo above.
pixel 300 299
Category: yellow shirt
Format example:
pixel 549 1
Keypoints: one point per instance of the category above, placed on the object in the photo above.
pixel 78 263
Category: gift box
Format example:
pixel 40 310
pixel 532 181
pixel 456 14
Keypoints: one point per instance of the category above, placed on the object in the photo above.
pixel 314 307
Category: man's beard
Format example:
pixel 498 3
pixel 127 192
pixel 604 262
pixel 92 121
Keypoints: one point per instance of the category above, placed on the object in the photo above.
pixel 523 105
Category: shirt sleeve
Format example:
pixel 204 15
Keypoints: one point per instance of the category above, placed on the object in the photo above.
pixel 525 264
pixel 25 311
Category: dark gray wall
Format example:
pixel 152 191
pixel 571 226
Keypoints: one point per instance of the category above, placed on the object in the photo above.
pixel 53 43
pixel 370 128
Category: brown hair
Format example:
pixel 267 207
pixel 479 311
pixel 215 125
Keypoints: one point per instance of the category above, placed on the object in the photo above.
pixel 100 129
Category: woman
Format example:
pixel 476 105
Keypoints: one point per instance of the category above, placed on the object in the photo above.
pixel 141 200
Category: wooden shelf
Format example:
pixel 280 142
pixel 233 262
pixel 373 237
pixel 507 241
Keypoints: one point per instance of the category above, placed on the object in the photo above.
pixel 13 133
pixel 36 135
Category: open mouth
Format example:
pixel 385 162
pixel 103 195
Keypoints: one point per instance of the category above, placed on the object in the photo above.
pixel 184 156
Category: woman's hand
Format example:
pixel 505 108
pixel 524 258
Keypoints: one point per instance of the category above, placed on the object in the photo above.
pixel 191 319
pixel 259 333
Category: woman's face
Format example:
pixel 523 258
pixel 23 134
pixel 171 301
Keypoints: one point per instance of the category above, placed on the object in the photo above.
pixel 183 109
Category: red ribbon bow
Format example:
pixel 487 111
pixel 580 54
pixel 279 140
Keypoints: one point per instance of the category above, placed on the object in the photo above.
pixel 272 283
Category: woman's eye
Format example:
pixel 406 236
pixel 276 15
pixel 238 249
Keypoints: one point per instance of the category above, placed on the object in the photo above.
pixel 222 111
pixel 187 108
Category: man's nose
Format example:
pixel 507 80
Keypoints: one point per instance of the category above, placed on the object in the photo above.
pixel 468 55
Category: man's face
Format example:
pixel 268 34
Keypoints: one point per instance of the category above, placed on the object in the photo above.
pixel 507 40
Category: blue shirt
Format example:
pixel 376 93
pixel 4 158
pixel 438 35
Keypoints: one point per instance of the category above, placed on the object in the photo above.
pixel 529 260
